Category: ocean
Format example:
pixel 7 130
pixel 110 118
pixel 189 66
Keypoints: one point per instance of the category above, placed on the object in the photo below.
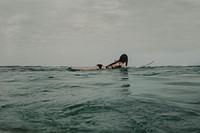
pixel 47 99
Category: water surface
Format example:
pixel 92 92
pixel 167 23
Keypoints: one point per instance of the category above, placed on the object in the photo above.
pixel 53 99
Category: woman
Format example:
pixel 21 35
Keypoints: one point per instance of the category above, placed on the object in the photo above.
pixel 123 60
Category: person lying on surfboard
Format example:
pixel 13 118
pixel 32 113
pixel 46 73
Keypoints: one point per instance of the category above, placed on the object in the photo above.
pixel 123 61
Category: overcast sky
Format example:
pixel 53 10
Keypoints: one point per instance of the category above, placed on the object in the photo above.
pixel 87 32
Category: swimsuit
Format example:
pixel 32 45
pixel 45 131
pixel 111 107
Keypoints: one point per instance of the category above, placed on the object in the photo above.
pixel 111 65
pixel 100 66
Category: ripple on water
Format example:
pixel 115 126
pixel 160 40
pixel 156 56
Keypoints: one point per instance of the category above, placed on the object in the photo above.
pixel 137 100
pixel 184 83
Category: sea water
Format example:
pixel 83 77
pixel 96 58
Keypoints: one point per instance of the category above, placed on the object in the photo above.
pixel 133 100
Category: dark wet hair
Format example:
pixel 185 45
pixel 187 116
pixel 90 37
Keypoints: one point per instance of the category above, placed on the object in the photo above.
pixel 124 58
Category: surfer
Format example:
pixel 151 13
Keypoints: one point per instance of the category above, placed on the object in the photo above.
pixel 123 61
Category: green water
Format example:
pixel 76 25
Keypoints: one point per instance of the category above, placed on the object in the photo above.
pixel 136 100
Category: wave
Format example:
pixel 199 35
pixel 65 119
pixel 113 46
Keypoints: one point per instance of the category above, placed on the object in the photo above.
pixel 32 68
pixel 184 83
pixel 141 71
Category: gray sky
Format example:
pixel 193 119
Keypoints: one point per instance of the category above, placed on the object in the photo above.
pixel 87 32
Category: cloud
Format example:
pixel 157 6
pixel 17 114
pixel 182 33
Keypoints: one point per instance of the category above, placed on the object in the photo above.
pixel 102 29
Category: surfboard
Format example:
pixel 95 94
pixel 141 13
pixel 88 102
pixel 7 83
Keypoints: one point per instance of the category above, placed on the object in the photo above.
pixel 83 68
